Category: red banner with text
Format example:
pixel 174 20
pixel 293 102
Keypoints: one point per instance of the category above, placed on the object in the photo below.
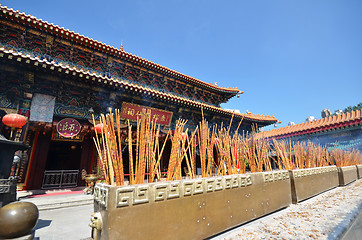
pixel 133 111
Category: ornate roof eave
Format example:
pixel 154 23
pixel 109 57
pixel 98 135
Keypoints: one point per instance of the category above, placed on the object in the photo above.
pixel 124 84
pixel 41 25
pixel 345 120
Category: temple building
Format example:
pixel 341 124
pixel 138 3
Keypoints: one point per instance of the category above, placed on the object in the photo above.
pixel 340 131
pixel 59 79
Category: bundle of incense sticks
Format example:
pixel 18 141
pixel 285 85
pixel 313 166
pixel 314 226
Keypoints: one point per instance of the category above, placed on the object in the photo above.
pixel 283 151
pixel 230 150
pixel 179 148
pixel 188 152
pixel 224 143
pixel 263 155
pixel 239 152
pixel 109 149
pixel 192 154
pixel 147 150
pixel 354 157
pixel 203 135
pixel 250 152
pixel 233 152
pixel 238 159
pixel 300 154
pixel 346 158
pixel 210 152
pixel 307 155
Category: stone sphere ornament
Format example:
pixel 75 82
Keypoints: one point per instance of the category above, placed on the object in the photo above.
pixel 17 219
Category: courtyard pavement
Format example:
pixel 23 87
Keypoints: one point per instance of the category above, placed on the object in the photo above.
pixel 325 216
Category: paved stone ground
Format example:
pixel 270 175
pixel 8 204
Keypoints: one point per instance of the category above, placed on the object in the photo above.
pixel 60 200
pixel 355 232
pixel 315 218
pixel 69 223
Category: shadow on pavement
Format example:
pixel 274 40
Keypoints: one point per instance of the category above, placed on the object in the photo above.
pixel 42 223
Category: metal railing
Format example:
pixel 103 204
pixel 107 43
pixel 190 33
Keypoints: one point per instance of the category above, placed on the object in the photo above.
pixel 60 178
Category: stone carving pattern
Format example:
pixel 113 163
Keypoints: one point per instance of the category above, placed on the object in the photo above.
pixel 188 187
pixel 198 186
pixel 160 191
pixel 275 176
pixel 313 171
pixel 4 189
pixel 6 184
pixel 140 194
pixel 173 190
pixel 124 196
pixel 218 184
pixel 101 194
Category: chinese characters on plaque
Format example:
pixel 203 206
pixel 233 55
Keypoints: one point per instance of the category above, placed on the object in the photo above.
pixel 133 111
pixel 68 127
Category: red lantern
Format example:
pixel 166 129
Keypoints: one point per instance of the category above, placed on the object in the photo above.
pixel 99 128
pixel 14 120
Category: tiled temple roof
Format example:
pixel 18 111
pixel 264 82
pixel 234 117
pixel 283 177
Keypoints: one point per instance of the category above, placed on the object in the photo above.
pixel 41 25
pixel 324 124
pixel 37 62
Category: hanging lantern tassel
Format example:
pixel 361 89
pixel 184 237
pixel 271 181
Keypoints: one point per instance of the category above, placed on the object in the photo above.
pixel 14 120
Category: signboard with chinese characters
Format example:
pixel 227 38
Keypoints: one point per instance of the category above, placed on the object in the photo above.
pixel 57 137
pixel 132 111
pixel 71 111
pixel 68 127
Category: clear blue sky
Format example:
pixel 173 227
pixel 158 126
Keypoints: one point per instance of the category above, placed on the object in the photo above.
pixel 291 58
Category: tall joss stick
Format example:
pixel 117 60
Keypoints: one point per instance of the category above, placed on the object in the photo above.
pixel 120 166
pixel 113 146
pixel 160 153
pixel 130 154
pixel 107 151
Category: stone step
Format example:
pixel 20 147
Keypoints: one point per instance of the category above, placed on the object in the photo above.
pixel 59 201
pixel 63 204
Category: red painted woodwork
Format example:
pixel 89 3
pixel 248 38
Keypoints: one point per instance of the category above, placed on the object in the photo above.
pixel 39 161
pixel 86 159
